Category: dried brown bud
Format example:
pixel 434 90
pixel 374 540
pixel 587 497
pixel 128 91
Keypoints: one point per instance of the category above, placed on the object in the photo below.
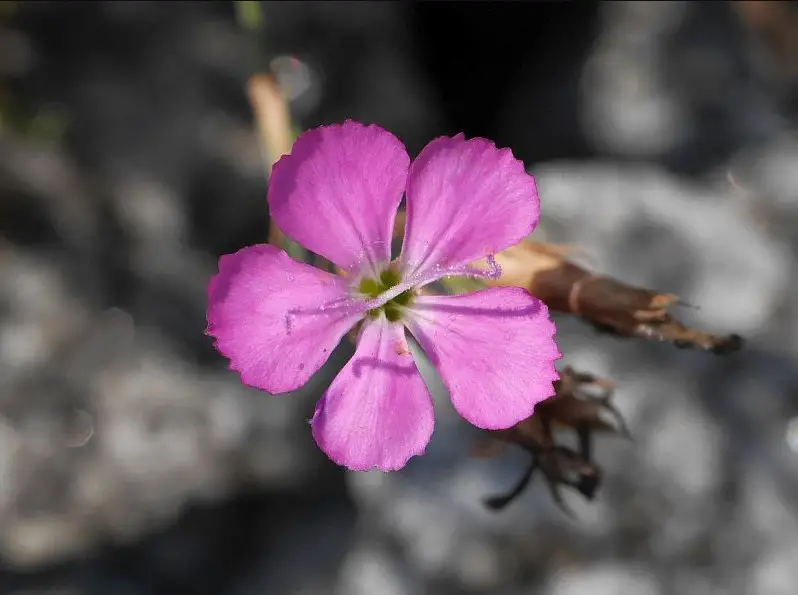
pixel 582 403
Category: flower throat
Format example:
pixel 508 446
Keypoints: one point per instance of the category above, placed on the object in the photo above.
pixel 373 288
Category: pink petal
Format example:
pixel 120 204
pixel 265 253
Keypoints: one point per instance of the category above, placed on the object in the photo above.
pixel 338 191
pixel 378 411
pixel 466 199
pixel 494 349
pixel 269 317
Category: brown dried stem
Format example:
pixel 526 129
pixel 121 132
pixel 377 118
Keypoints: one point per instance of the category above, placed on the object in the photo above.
pixel 273 122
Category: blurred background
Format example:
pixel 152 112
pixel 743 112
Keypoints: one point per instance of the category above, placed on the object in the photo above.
pixel 662 135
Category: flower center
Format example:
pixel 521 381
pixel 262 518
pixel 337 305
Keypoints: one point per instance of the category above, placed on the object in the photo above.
pixel 373 288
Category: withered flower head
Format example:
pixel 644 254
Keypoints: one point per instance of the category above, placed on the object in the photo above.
pixel 582 404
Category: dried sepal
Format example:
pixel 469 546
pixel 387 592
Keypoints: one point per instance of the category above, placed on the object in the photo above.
pixel 560 466
pixel 583 404
pixel 609 305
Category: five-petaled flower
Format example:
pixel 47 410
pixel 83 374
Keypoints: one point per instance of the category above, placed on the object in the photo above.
pixel 337 194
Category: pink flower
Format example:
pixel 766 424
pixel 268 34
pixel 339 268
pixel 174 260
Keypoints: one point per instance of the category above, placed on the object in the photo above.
pixel 337 194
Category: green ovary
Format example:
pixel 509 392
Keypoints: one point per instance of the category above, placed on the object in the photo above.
pixel 373 288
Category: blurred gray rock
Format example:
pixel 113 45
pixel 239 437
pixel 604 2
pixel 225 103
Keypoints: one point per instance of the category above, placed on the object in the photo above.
pixel 674 82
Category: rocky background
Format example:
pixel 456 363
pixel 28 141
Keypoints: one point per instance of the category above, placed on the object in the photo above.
pixel 133 463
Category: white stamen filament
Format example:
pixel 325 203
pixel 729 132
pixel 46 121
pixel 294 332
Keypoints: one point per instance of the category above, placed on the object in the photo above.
pixel 494 272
